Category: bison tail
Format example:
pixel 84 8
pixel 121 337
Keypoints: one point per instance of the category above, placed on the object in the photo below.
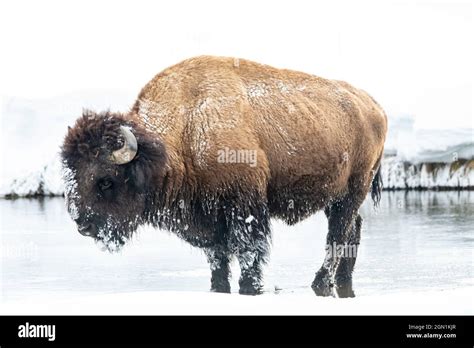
pixel 377 185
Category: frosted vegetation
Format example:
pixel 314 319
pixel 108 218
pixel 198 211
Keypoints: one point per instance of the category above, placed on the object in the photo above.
pixel 427 158
pixel 415 158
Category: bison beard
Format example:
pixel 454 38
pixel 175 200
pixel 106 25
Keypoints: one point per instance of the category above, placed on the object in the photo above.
pixel 315 143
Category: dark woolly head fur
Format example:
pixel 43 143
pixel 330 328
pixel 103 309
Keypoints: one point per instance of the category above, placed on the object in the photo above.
pixel 112 197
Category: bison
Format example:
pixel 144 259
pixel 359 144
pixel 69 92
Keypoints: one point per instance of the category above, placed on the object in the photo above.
pixel 215 147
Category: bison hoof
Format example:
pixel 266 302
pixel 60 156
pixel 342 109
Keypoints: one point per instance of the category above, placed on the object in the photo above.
pixel 250 291
pixel 344 292
pixel 248 286
pixel 344 288
pixel 323 290
pixel 322 285
pixel 223 287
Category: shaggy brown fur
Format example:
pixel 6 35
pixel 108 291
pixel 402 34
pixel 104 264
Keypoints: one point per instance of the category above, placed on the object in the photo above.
pixel 318 144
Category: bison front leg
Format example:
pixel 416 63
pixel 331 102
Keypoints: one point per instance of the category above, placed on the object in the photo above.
pixel 219 260
pixel 341 215
pixel 251 240
pixel 251 276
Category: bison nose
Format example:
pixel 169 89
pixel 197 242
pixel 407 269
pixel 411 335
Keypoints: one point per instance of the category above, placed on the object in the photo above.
pixel 87 229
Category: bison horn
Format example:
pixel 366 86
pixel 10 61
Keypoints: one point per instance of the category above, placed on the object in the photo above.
pixel 129 149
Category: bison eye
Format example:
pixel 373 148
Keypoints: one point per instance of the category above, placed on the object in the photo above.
pixel 105 184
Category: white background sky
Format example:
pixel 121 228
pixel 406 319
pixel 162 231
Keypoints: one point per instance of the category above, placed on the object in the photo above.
pixel 414 57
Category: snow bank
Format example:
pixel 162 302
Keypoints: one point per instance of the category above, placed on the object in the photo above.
pixel 433 302
pixel 398 174
pixel 427 158
pixel 45 182
pixel 420 145
pixel 32 130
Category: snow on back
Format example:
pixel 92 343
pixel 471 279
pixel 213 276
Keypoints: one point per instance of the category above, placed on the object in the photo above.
pixel 154 115
pixel 256 90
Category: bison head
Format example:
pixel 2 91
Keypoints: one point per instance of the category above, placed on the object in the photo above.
pixel 111 168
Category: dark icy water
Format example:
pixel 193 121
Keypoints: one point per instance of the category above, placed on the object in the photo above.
pixel 414 241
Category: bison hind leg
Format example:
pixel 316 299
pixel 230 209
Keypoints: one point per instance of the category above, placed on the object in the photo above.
pixel 346 266
pixel 344 225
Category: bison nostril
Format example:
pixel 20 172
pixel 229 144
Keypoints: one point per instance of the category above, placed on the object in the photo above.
pixel 86 229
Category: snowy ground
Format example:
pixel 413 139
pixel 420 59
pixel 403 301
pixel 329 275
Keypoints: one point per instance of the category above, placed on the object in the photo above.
pixel 439 302
pixel 416 257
